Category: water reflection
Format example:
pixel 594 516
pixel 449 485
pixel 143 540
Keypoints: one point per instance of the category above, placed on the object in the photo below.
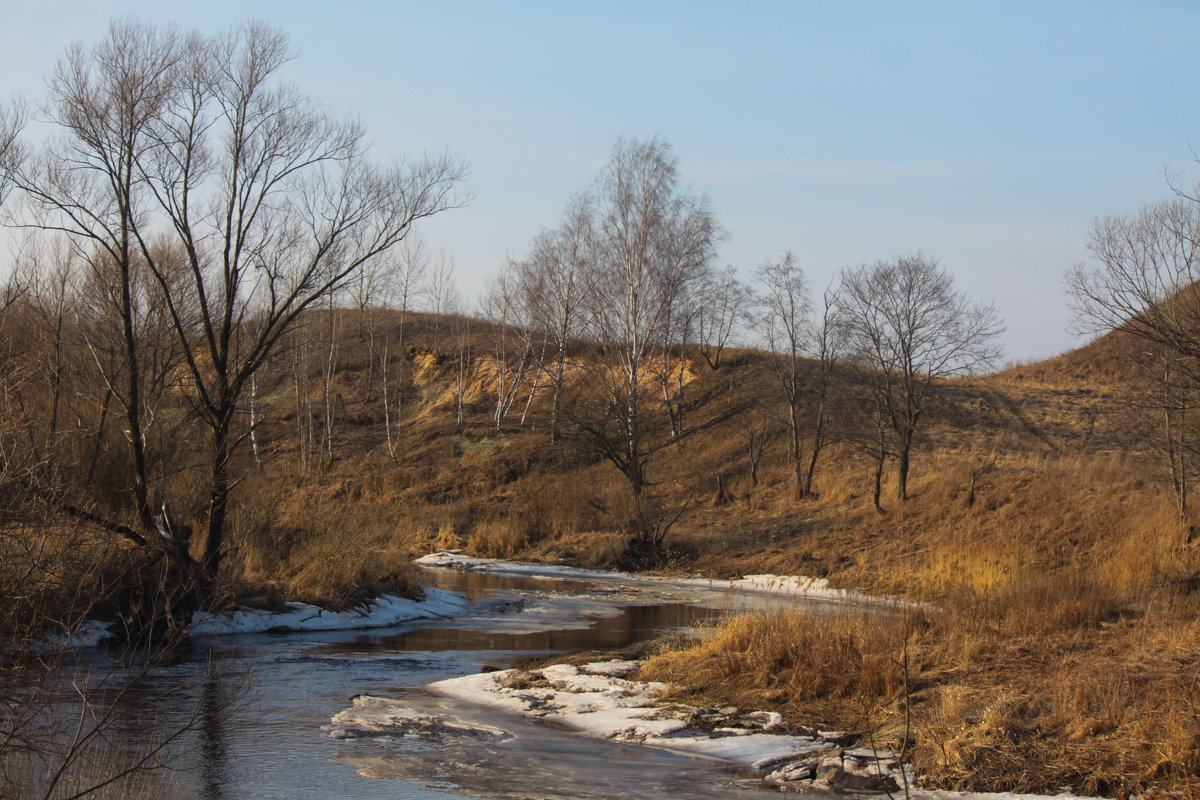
pixel 631 625
pixel 212 737
pixel 259 702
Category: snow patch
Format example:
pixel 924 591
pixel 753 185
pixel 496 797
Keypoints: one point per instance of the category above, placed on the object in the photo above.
pixel 783 586
pixel 380 716
pixel 609 707
pixel 382 612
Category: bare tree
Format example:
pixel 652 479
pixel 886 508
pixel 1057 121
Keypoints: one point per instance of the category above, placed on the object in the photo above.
pixel 784 315
pixel 370 293
pixel 908 327
pixel 553 281
pixel 52 272
pixel 755 428
pixel 463 351
pixel 724 303
pixel 504 304
pixel 824 347
pixel 443 297
pixel 270 203
pixel 1142 276
pixel 651 239
pixel 411 262
pixel 677 331
pixel 1141 280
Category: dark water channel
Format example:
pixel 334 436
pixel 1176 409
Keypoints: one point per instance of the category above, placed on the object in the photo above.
pixel 259 702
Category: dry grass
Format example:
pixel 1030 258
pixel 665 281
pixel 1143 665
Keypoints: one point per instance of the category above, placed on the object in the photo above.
pixel 797 662
pixel 1063 646
pixel 333 543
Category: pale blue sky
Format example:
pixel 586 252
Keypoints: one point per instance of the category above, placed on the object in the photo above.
pixel 987 135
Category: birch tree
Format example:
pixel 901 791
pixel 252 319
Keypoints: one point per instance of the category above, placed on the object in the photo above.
pixel 411 262
pixel 784 312
pixel 553 278
pixel 724 302
pixel 651 238
pixel 505 306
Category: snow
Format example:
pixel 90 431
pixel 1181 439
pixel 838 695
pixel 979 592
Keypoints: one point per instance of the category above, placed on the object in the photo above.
pixel 598 704
pixel 90 633
pixel 614 667
pixel 378 716
pixel 779 586
pixel 382 612
pixel 594 701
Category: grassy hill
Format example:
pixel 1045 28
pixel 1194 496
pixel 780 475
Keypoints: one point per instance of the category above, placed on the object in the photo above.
pixel 1059 590
pixel 1060 636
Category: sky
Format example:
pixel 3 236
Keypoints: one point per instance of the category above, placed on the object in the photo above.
pixel 986 135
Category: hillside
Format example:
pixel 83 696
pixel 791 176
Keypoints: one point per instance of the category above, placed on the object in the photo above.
pixel 1059 644
pixel 1069 566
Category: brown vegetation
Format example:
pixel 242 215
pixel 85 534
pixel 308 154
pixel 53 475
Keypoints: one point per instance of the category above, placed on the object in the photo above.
pixel 1058 641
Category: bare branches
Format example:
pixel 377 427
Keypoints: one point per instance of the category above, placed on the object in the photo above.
pixel 1142 277
pixel 1142 280
pixel 907 326
pixel 651 241
pixel 553 282
pixel 12 121
pixel 205 189
pixel 724 306
pixel 784 308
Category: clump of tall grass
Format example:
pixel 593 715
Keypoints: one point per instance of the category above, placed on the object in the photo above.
pixel 497 538
pixel 794 660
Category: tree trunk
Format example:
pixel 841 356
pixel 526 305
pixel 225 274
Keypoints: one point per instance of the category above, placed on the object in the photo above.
pixel 254 419
pixel 799 489
pixel 218 503
pixel 818 443
pixel 559 368
pixel 902 464
pixel 880 457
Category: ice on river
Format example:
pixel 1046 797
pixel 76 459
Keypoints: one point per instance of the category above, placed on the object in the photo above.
pixel 382 612
pixel 602 705
pixel 788 586
pixel 596 701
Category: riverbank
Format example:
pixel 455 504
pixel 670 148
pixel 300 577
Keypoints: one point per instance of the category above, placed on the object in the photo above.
pixel 385 611
pixel 597 700
pixel 1030 702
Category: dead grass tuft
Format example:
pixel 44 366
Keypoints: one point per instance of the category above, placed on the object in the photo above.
pixel 791 660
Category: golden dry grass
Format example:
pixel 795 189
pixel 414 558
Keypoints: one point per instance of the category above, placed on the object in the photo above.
pixel 1063 644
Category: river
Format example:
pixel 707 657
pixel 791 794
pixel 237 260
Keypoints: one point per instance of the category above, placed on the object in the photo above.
pixel 260 703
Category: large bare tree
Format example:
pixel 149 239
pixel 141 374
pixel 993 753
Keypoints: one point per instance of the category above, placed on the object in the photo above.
pixel 907 327
pixel 651 239
pixel 805 351
pixel 1142 276
pixel 266 202
pixel 1142 280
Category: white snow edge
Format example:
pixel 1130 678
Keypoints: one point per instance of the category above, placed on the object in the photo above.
pixel 382 612
pixel 788 586
pixel 600 705
pixel 594 701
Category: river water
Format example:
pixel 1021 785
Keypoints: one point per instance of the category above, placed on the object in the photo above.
pixel 258 703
